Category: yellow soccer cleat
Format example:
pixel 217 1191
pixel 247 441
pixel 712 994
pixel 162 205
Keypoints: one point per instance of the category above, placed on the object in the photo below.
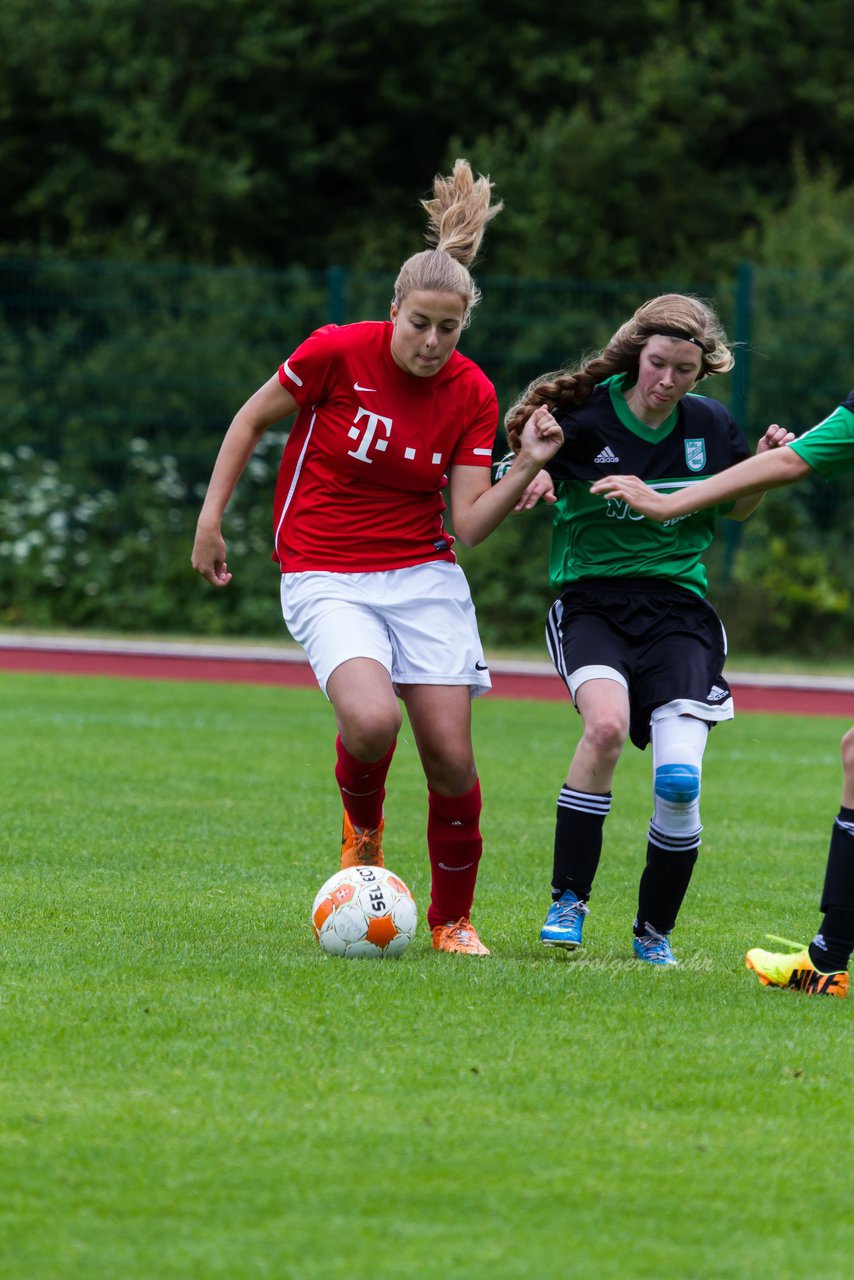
pixel 361 847
pixel 795 970
pixel 458 936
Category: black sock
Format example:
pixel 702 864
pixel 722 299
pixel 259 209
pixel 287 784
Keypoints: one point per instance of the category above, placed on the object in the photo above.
pixel 832 947
pixel 663 886
pixel 578 840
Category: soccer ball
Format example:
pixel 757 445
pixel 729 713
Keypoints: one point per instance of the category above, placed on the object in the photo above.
pixel 364 911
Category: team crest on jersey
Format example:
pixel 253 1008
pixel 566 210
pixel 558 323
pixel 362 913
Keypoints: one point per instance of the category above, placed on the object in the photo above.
pixel 695 454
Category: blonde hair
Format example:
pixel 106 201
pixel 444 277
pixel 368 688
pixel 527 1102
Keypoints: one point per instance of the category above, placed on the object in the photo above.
pixel 673 314
pixel 456 220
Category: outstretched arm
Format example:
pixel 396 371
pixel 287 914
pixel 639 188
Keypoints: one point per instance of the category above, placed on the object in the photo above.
pixel 774 438
pixel 770 469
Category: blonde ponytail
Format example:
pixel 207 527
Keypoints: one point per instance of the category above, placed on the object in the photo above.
pixel 456 220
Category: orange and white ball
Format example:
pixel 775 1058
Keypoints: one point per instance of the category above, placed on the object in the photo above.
pixel 364 912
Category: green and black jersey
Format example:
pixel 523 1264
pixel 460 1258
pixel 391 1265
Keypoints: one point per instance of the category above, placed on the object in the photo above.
pixel 594 537
pixel 829 447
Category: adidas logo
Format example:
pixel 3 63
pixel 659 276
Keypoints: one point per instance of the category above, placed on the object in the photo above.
pixel 607 455
pixel 715 694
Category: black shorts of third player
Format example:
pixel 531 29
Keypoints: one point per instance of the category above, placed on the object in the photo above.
pixel 668 644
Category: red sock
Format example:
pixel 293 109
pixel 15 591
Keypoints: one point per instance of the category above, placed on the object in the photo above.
pixel 455 845
pixel 362 785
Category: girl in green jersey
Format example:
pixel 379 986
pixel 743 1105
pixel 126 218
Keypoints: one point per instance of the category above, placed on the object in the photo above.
pixel 639 647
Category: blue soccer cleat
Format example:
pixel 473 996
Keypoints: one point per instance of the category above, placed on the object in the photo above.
pixel 564 922
pixel 653 947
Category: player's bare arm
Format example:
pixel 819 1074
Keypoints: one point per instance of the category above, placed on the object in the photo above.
pixel 771 467
pixel 541 489
pixel 477 506
pixel 775 437
pixel 270 403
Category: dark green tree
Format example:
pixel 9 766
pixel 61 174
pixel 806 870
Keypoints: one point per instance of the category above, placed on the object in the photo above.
pixel 628 140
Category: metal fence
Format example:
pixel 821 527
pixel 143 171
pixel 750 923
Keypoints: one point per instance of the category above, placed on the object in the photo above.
pixel 100 361
pixel 99 353
pixel 163 347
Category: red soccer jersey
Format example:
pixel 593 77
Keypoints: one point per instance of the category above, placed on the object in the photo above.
pixel 361 478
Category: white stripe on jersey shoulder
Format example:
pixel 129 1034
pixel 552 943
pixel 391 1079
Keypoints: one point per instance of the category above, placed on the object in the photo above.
pixel 823 423
pixel 289 371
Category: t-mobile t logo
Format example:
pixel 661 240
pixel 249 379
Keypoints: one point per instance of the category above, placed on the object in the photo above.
pixel 375 422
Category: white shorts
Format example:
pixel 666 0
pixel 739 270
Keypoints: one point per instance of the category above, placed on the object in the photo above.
pixel 418 622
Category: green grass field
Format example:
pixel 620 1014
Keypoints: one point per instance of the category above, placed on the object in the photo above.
pixel 190 1089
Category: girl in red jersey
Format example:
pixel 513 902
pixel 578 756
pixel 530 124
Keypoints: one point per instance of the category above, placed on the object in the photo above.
pixel 388 415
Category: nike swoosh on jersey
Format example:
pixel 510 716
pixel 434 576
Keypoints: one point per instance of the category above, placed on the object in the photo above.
pixel 356 387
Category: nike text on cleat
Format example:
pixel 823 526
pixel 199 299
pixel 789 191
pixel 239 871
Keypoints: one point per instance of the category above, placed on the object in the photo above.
pixel 361 848
pixel 564 922
pixel 795 970
pixel 458 936
pixel 653 947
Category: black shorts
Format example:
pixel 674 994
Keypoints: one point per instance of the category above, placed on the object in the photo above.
pixel 667 643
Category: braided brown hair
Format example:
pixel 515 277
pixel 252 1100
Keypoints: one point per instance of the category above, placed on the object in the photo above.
pixel 676 314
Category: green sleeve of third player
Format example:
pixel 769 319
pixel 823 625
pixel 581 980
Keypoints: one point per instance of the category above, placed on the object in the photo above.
pixel 829 447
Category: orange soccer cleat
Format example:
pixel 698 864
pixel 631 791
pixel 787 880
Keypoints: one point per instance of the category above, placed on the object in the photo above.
pixel 775 969
pixel 458 936
pixel 361 847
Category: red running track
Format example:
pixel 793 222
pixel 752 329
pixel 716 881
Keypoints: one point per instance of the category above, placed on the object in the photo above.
pixel 783 698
